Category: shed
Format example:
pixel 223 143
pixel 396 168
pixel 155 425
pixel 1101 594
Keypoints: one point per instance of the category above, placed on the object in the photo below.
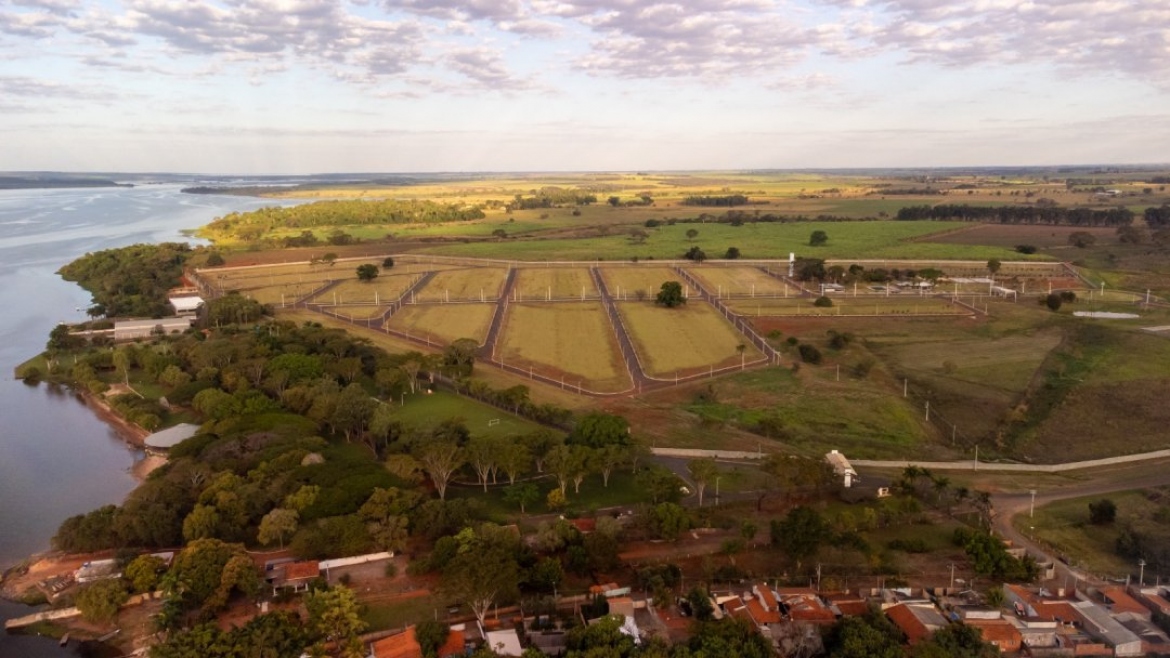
pixel 504 643
pixel 186 305
pixel 134 329
pixel 162 441
pixel 842 468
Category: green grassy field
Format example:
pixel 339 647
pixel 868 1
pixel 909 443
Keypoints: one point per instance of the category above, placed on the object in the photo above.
pixel 444 323
pixel 426 410
pixel 555 283
pixel 572 340
pixel 683 339
pixel 1007 363
pixel 478 283
pixel 622 490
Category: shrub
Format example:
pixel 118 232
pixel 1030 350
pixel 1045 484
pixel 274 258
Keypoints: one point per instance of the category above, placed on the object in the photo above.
pixel 823 302
pixel 810 354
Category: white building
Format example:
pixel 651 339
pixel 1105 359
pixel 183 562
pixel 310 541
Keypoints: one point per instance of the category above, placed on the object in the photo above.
pixel 842 468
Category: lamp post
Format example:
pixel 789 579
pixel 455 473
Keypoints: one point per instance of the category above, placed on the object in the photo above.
pixel 1141 573
pixel 1032 505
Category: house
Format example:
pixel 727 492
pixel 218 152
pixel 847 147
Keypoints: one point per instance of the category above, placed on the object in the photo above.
pixel 917 621
pixel 296 575
pixel 186 304
pixel 162 441
pixel 1000 632
pixel 1119 601
pixel 846 604
pixel 1098 623
pixel 1153 598
pixel 766 597
pixel 549 643
pixel 135 329
pixel 97 570
pixel 842 468
pixel 803 605
pixel 402 645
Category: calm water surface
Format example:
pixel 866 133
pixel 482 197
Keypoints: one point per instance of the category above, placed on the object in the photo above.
pixel 57 458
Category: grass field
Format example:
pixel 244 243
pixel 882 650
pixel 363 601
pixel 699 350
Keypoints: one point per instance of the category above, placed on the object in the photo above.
pixel 280 294
pixel 444 323
pixel 862 305
pixel 622 490
pixel 477 283
pixel 741 281
pixel 573 340
pixel 379 338
pixel 423 410
pixel 1006 363
pixel 554 282
pixel 359 312
pixel 383 289
pixel 625 282
pixel 684 339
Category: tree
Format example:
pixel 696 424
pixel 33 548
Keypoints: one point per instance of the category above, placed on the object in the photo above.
pixel 599 429
pixel 818 238
pixel 207 571
pixel 561 463
pixel 334 614
pixel 809 353
pixel 367 272
pixel 513 458
pixel 329 258
pixel 482 453
pixel 993 266
pixel 614 201
pixel 522 495
pixel 214 259
pixel 1081 239
pixel 99 602
pixel 696 254
pixel 692 233
pixel 732 253
pixel 384 513
pixel 276 524
pixel 871 636
pixel 387 262
pixel 440 459
pixel 702 471
pixel 144 572
pixel 1053 301
pixel 670 295
pixel 607 458
pixel 801 533
pixel 459 357
pixel 431 635
pixel 481 574
pixel 700 603
pixel 1102 512
pixel 823 302
pixel 669 520
pixel 956 641
pixel 730 636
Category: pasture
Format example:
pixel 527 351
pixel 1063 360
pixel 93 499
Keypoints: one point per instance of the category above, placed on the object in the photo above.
pixel 554 283
pixel 1006 362
pixel 628 282
pixel 683 340
pixel 428 409
pixel 444 323
pixel 743 281
pixel 473 283
pixel 569 341
pixel 359 311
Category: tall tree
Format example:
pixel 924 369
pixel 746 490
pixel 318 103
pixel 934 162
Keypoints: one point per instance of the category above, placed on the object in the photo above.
pixel 441 459
pixel 702 471
pixel 276 524
pixel 334 614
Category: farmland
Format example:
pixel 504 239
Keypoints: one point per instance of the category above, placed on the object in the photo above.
pixel 630 282
pixel 684 339
pixel 443 324
pixel 568 341
pixel 843 306
pixel 352 291
pixel 749 281
pixel 479 284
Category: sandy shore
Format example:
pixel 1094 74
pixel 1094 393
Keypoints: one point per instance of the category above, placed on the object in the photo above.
pixel 130 433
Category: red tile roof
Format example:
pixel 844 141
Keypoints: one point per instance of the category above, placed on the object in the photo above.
pixel 808 607
pixel 905 619
pixel 1000 632
pixel 453 646
pixel 1120 601
pixel 584 525
pixel 403 645
pixel 761 615
pixel 767 598
pixel 302 570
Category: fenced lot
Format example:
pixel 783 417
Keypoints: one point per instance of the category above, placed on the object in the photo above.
pixel 629 282
pixel 684 339
pixel 746 281
pixel 907 304
pixel 554 283
pixel 573 341
pixel 383 289
pixel 476 283
pixel 444 323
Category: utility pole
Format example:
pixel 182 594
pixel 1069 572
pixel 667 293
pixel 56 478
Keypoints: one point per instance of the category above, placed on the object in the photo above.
pixel 1032 505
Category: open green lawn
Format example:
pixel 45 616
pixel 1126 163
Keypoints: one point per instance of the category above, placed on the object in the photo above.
pixel 425 410
pixel 622 490
pixel 399 614
pixel 573 340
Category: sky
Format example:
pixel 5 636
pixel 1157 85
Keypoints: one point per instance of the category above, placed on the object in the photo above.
pixel 326 86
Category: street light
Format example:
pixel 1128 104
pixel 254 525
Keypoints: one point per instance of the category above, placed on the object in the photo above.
pixel 1032 506
pixel 1142 573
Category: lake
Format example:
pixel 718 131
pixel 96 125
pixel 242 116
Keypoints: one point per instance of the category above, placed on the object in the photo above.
pixel 57 458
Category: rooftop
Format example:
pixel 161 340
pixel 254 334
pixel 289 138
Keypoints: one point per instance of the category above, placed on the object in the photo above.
pixel 171 436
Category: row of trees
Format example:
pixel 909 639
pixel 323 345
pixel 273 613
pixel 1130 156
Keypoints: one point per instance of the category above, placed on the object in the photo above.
pixel 1045 214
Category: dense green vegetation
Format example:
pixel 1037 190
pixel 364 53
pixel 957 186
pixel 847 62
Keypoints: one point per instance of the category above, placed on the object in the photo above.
pixel 130 281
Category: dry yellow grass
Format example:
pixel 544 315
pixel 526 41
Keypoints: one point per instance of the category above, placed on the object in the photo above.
pixel 381 339
pixel 570 339
pixel 557 282
pixel 383 289
pixel 625 282
pixel 478 283
pixel 862 305
pixel 739 281
pixel 681 339
pixel 359 312
pixel 444 323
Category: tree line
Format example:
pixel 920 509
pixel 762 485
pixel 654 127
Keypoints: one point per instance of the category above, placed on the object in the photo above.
pixel 1044 214
pixel 130 281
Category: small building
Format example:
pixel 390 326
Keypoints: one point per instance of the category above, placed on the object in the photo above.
pixel 842 468
pixel 162 441
pixel 803 605
pixel 186 305
pixel 504 642
pixel 296 575
pixel 550 643
pixel 97 570
pixel 766 596
pixel 1119 601
pixel 1000 632
pixel 402 645
pixel 916 620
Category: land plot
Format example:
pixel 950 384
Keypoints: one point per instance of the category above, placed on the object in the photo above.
pixel 381 290
pixel 476 283
pixel 1006 363
pixel 254 278
pixel 684 339
pixel 423 409
pixel 842 306
pixel 444 323
pixel 554 283
pixel 573 340
pixel 1008 235
pixel 359 311
pixel 747 281
pixel 629 282
pixel 281 294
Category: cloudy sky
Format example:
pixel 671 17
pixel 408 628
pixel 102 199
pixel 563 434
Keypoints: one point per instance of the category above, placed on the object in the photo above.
pixel 304 86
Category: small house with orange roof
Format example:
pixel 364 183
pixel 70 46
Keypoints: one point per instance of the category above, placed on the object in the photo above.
pixel 804 605
pixel 1000 632
pixel 297 575
pixel 1119 601
pixel 916 621
pixel 402 645
pixel 766 597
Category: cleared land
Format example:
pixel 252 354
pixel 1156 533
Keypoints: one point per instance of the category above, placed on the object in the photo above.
pixel 742 281
pixel 359 312
pixel 444 323
pixel 1007 363
pixel 476 284
pixel 427 410
pixel 862 305
pixel 683 339
pixel 554 282
pixel 626 282
pixel 573 340
pixel 383 289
